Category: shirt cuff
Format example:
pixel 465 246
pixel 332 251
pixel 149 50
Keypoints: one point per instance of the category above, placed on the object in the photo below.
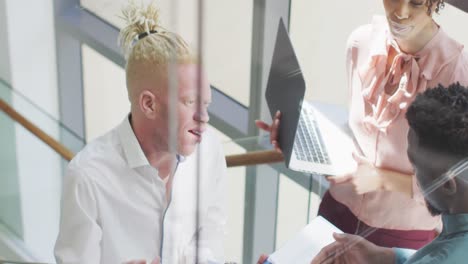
pixel 402 254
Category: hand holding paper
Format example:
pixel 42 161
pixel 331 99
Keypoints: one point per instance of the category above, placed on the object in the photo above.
pixel 353 249
pixel 306 244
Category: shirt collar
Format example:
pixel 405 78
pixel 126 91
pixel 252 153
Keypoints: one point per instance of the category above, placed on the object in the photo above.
pixel 454 223
pixel 409 72
pixel 437 53
pixel 131 147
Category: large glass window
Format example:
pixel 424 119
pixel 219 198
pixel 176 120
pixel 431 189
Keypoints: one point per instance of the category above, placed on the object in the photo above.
pixel 227 27
pixel 30 191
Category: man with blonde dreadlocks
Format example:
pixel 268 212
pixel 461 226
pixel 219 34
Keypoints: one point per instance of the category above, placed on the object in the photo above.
pixel 146 189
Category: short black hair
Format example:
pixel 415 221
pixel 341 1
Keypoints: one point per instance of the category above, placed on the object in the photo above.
pixel 439 117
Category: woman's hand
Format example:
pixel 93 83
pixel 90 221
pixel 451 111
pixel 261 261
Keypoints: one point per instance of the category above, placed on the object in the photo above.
pixel 273 129
pixel 365 178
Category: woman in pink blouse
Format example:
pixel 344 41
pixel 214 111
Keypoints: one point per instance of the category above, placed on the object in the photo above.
pixel 389 62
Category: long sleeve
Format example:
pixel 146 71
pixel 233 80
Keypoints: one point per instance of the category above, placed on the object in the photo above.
pixel 80 234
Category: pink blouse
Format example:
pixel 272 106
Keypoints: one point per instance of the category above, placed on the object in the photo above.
pixel 378 120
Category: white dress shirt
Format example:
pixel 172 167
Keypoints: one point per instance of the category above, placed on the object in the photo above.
pixel 114 205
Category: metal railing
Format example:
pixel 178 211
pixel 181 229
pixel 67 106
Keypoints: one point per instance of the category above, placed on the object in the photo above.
pixel 246 159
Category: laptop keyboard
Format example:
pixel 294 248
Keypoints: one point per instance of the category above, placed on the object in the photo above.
pixel 309 145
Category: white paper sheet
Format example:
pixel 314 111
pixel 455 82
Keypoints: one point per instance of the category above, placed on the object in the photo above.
pixel 306 244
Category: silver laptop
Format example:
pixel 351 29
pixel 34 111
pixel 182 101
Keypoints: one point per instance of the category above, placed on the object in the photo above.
pixel 310 140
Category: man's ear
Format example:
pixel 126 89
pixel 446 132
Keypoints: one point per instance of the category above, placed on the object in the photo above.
pixel 147 103
pixel 450 187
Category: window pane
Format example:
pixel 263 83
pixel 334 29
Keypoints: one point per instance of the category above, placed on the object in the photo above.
pixel 227 36
pixel 105 95
pixel 319 30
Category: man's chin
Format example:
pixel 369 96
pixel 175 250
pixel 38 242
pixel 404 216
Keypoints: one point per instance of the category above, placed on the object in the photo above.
pixel 187 150
pixel 432 209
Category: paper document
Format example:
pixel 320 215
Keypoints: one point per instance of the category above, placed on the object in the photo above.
pixel 306 244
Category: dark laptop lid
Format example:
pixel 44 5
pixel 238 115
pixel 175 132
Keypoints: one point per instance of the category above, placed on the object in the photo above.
pixel 460 4
pixel 285 90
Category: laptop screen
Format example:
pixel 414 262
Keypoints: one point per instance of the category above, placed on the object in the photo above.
pixel 285 89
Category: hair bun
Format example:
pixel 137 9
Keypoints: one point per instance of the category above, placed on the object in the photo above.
pixel 140 19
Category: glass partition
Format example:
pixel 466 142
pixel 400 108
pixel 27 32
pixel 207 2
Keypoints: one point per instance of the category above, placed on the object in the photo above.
pixel 30 189
pixel 39 117
pixel 30 185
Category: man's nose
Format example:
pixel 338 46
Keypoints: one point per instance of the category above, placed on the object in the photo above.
pixel 202 115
